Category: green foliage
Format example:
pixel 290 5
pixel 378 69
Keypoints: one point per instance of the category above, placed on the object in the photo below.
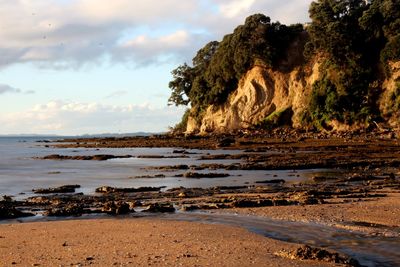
pixel 325 102
pixel 218 66
pixel 277 119
pixel 181 126
pixel 351 99
pixel 355 37
pixel 394 100
pixel 334 30
pixel 382 23
pixel 181 85
pixel 392 49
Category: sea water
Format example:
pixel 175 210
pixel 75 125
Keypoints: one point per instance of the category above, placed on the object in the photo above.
pixel 21 171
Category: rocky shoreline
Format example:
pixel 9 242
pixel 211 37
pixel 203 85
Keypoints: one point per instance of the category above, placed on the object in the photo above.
pixel 369 165
pixel 370 161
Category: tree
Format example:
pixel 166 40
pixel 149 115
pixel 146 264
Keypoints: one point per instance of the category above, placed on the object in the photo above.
pixel 181 85
pixel 335 30
pixel 218 66
pixel 381 22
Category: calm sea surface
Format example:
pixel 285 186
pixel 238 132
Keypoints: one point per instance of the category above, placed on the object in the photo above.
pixel 20 172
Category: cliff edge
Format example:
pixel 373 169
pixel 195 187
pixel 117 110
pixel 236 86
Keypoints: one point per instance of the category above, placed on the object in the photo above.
pixel 261 93
pixel 341 72
pixel 265 93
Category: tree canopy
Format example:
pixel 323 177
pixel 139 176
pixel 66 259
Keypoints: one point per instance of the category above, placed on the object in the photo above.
pixel 357 38
pixel 218 66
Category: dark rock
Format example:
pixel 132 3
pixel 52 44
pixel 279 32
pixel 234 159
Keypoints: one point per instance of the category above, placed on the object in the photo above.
pixel 67 210
pixel 311 201
pixel 172 168
pixel 61 189
pixel 307 198
pixel 161 156
pixel 179 151
pixel 190 207
pixel 310 253
pixel 248 203
pixel 283 202
pixel 150 176
pixel 225 142
pixel 239 187
pixel 204 175
pixel 101 157
pixel 7 198
pixel 43 141
pixel 218 157
pixel 273 181
pixel 204 206
pixel 185 152
pixel 116 208
pixel 109 189
pixel 150 157
pixel 10 212
pixel 156 207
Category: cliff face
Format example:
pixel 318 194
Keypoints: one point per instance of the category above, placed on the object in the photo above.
pixel 389 102
pixel 261 92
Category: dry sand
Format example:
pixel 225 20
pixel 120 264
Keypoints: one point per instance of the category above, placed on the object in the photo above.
pixel 138 242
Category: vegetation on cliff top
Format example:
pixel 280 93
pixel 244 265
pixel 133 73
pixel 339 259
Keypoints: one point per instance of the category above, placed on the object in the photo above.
pixel 356 38
pixel 218 66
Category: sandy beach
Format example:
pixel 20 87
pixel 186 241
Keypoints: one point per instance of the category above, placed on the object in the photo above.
pixel 138 242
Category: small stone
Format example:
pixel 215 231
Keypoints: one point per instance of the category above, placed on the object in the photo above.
pixel 182 194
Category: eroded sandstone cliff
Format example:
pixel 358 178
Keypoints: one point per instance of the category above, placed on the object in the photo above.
pixel 390 97
pixel 263 92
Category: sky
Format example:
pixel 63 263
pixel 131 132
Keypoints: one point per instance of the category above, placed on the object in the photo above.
pixel 72 67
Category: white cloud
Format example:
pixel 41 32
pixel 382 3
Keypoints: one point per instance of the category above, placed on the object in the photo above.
pixel 145 49
pixel 234 8
pixel 58 33
pixel 287 12
pixel 76 118
pixel 70 32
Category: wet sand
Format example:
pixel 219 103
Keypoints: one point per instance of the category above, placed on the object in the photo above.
pixel 138 242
